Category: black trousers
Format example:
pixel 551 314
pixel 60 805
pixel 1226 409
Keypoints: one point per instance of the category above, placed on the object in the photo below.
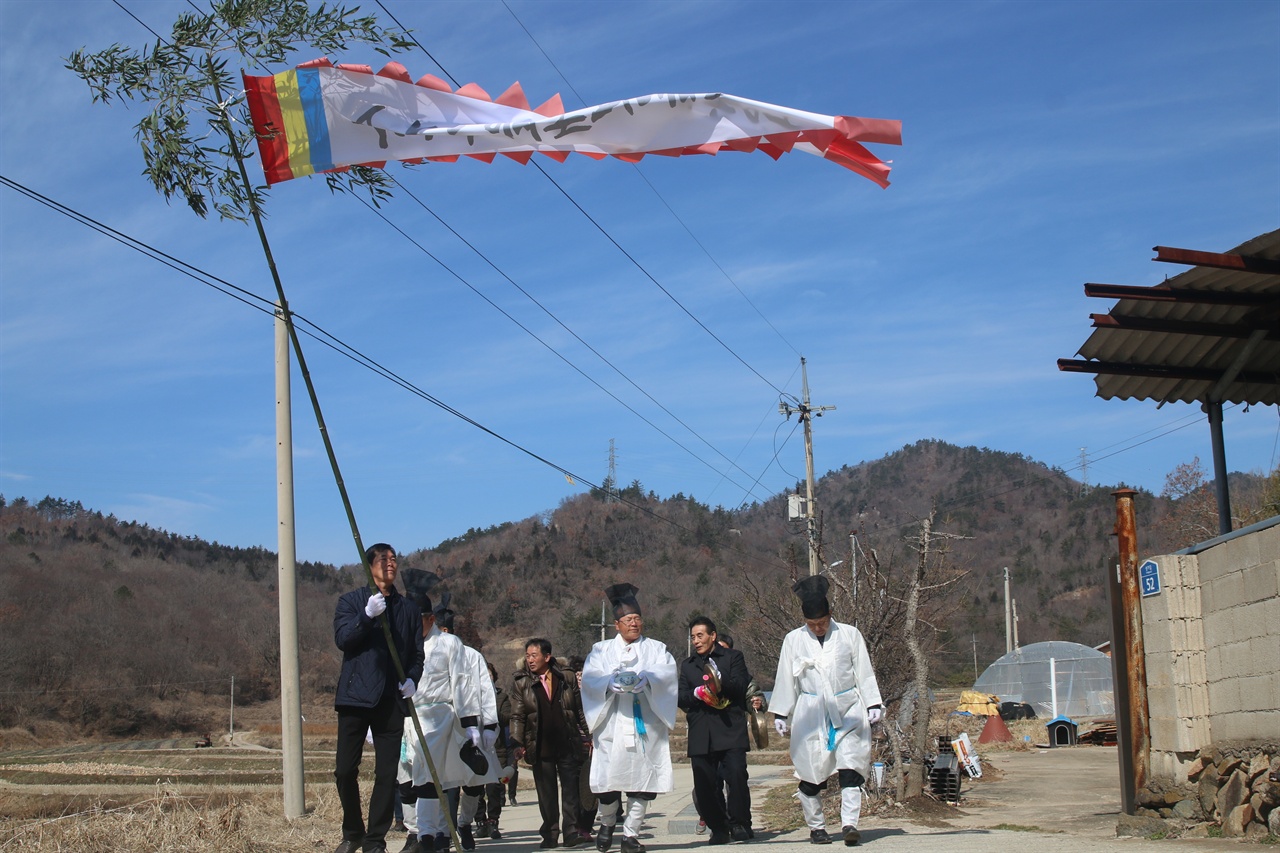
pixel 387 722
pixel 548 774
pixel 711 773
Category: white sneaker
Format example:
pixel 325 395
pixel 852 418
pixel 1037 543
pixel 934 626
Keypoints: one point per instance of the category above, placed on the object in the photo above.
pixel 701 828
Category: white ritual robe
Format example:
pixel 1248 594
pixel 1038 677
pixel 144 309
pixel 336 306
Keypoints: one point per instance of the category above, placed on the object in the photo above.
pixel 478 671
pixel 632 752
pixel 445 693
pixel 825 689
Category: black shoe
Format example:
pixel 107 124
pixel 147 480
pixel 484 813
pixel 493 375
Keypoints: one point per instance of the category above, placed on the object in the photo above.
pixel 574 839
pixel 464 835
pixel 411 845
pixel 819 836
pixel 494 832
pixel 442 843
pixel 349 845
pixel 482 829
pixel 604 838
pixel 719 836
pixel 549 842
pixel 631 845
pixel 375 847
pixel 399 826
pixel 851 836
pixel 740 832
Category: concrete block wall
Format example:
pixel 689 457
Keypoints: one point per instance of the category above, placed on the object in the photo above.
pixel 1177 688
pixel 1212 642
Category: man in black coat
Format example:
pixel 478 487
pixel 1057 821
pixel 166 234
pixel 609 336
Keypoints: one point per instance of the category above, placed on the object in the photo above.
pixel 370 696
pixel 713 691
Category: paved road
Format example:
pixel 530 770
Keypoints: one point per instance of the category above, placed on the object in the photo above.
pixel 1070 794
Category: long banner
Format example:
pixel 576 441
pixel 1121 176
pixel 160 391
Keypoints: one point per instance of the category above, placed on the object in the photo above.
pixel 325 118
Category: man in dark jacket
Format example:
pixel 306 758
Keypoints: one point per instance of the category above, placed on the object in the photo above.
pixel 548 730
pixel 370 696
pixel 713 691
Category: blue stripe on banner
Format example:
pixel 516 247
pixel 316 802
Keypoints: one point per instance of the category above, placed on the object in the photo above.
pixel 313 112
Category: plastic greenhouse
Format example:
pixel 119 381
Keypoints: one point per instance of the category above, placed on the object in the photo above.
pixel 1083 677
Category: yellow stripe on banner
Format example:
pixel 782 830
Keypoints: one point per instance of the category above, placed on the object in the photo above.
pixel 295 123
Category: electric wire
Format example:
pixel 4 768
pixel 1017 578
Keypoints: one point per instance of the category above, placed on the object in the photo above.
pixel 530 297
pixel 317 333
pixel 601 228
pixel 645 178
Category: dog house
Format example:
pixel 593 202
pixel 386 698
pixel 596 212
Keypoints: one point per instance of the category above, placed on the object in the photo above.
pixel 1062 731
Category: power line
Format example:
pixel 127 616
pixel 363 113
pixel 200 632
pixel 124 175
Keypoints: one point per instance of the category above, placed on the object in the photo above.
pixel 327 339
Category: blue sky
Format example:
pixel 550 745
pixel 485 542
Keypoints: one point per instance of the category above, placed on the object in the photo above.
pixel 1045 145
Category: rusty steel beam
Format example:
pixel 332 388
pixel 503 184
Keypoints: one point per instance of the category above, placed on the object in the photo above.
pixel 1185 327
pixel 1162 293
pixel 1159 371
pixel 1139 740
pixel 1217 260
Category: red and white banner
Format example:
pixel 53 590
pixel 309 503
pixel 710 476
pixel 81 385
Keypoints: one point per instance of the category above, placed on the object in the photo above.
pixel 323 118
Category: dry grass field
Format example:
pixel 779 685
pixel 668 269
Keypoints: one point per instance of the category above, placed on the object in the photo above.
pixel 160 795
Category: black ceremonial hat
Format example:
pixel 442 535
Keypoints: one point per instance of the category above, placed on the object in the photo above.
pixel 812 592
pixel 623 598
pixel 417 583
pixel 444 613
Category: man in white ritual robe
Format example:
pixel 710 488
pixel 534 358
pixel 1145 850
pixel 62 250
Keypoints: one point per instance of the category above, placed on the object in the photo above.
pixel 448 707
pixel 629 694
pixel 825 692
pixel 478 674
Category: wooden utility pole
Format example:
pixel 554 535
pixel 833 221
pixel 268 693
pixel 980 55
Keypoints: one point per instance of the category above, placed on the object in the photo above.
pixel 807 414
pixel 1134 729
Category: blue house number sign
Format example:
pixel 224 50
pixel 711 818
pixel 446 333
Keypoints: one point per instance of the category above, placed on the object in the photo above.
pixel 1149 578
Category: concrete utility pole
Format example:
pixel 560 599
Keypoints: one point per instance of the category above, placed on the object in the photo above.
pixel 287 584
pixel 1008 615
pixel 807 414
pixel 1016 644
pixel 612 495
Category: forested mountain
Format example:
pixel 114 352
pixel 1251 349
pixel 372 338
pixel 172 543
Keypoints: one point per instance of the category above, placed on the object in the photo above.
pixel 112 627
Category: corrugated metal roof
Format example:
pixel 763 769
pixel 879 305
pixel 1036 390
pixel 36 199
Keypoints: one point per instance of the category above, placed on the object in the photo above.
pixel 1186 366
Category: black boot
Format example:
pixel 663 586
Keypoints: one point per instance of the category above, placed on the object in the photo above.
pixel 604 838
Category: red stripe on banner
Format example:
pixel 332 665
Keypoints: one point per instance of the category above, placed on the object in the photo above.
pixel 321 62
pixel 558 156
pixel 745 145
pixel 431 81
pixel 772 150
pixel 784 141
pixel 629 158
pixel 395 71
pixel 268 127
pixel 594 155
pixel 355 68
pixel 372 164
pixel 514 97
pixel 484 158
pixel 471 90
pixel 854 157
pixel 669 152
pixel 519 156
pixel 888 131
pixel 819 139
pixel 552 107
pixel 705 148
pixel 444 158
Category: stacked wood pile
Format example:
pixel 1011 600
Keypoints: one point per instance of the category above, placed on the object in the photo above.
pixel 1103 733
pixel 1236 788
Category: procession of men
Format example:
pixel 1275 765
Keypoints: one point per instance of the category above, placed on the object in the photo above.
pixel 607 727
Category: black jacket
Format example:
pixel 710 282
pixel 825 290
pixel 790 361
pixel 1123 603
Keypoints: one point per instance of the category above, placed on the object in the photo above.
pixel 368 674
pixel 526 726
pixel 712 730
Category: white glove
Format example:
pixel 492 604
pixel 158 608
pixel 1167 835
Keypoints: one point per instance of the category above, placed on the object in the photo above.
pixel 641 684
pixel 615 687
pixel 473 734
pixel 376 604
pixel 490 738
pixel 780 726
pixel 407 688
pixel 874 716
pixel 368 736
